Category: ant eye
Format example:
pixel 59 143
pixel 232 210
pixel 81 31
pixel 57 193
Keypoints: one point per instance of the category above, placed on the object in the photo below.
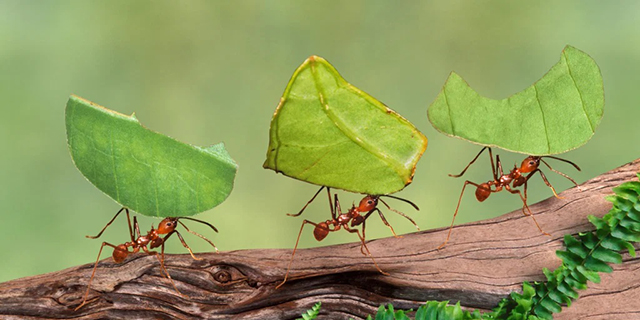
pixel 168 224
pixel 531 163
pixel 369 202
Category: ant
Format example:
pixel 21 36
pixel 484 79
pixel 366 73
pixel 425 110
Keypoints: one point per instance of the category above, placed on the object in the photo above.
pixel 347 221
pixel 515 178
pixel 152 239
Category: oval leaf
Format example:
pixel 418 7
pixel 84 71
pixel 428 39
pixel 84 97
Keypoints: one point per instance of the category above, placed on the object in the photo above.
pixel 143 170
pixel 558 113
pixel 327 132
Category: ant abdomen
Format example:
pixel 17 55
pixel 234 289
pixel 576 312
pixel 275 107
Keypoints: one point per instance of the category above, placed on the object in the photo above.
pixel 321 231
pixel 120 253
pixel 483 192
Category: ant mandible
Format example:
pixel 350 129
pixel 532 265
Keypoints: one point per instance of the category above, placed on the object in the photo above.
pixel 152 239
pixel 347 221
pixel 513 179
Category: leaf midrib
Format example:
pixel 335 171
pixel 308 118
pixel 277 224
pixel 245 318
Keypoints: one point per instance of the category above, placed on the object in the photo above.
pixel 375 151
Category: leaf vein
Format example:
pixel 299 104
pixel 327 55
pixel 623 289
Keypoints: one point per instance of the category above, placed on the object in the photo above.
pixel 543 119
pixel 376 152
pixel 446 101
pixel 113 163
pixel 579 93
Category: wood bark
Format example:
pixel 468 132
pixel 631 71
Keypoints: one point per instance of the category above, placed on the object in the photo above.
pixel 483 263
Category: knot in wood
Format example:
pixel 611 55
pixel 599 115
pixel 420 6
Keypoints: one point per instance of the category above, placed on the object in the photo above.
pixel 222 276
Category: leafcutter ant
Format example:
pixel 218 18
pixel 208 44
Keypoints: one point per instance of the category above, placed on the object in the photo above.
pixel 513 179
pixel 347 221
pixel 152 239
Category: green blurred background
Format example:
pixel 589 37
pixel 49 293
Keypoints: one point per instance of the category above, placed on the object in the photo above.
pixel 205 72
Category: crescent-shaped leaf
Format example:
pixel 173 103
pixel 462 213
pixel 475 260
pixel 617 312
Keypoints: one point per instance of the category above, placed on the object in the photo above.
pixel 143 170
pixel 327 132
pixel 558 113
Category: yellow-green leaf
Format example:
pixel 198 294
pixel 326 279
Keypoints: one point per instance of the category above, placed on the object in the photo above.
pixel 327 132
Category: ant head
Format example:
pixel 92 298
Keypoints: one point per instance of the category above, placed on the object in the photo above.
pixel 529 164
pixel 368 203
pixel 167 225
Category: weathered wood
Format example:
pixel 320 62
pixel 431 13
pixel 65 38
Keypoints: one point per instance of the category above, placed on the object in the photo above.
pixel 483 263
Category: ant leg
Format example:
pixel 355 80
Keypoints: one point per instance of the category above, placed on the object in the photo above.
pixel 560 173
pixel 498 168
pixel 544 178
pixel 338 210
pixel 305 206
pixel 184 244
pixel 199 235
pixel 366 248
pixel 524 201
pixel 400 213
pixel 136 226
pixel 334 214
pixel 162 267
pixel 456 212
pixel 364 226
pixel 525 205
pixel 111 221
pixel 93 273
pixel 472 161
pixel 294 250
pixel 384 220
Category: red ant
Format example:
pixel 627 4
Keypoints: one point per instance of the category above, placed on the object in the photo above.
pixel 508 181
pixel 347 221
pixel 152 239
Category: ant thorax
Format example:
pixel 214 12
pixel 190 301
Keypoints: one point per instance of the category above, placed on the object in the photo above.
pixel 505 179
pixel 344 218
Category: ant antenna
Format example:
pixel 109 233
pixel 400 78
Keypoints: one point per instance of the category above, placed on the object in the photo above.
pixel 201 221
pixel 560 159
pixel 401 199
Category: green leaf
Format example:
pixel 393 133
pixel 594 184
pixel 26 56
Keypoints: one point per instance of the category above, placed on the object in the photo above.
pixel 591 275
pixel 558 113
pixel 384 313
pixel 568 258
pixel 606 255
pixel 596 265
pixel 617 244
pixel 327 132
pixel 628 190
pixel 143 170
pixel 630 224
pixel 550 305
pixel 599 223
pixel 575 246
pixel 311 313
pixel 568 290
pixel 627 235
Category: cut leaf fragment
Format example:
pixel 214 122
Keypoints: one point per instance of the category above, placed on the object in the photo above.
pixel 558 113
pixel 327 132
pixel 143 170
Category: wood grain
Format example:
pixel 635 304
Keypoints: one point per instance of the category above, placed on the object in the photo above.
pixel 483 263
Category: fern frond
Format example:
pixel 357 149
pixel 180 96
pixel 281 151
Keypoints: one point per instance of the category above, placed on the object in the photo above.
pixel 584 257
pixel 591 252
pixel 311 313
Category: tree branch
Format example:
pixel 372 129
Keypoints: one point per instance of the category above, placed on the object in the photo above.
pixel 483 263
